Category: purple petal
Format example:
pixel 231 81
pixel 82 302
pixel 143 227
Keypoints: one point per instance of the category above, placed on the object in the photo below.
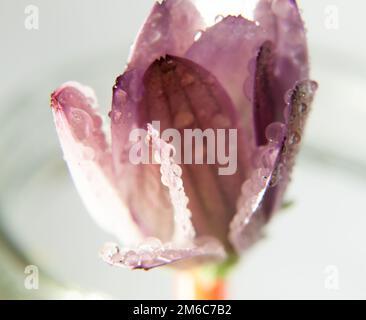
pixel 263 193
pixel 296 112
pixel 267 107
pixel 182 95
pixel 152 253
pixel 226 49
pixel 284 27
pixel 280 63
pixel 169 29
pixel 145 195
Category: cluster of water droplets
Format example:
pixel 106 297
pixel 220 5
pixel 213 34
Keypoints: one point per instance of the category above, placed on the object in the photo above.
pixel 148 254
pixel 171 177
pixel 152 253
pixel 82 122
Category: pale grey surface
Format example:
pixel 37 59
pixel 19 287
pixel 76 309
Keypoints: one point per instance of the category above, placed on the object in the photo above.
pixel 88 41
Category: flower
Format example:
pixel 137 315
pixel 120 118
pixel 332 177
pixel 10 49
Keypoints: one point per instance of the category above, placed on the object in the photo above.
pixel 247 75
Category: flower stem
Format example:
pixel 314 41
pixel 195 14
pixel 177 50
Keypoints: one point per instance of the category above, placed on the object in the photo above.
pixel 195 285
pixel 204 283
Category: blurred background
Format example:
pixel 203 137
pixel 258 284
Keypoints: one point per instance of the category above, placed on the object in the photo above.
pixel 314 249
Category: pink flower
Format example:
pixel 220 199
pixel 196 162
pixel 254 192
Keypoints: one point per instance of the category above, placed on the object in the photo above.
pixel 251 76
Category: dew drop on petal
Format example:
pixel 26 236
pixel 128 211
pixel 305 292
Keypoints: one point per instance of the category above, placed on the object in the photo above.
pixel 275 178
pixel 116 116
pixel 292 117
pixel 177 170
pixel 171 254
pixel 198 35
pixel 288 96
pixel 155 37
pixel 294 138
pixel 302 108
pixel 281 8
pixel 178 184
pixel 131 258
pixel 151 244
pixel 275 132
pixel 80 121
pixel 219 18
pixel 165 181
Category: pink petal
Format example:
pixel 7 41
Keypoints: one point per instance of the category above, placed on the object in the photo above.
pixel 89 159
pixel 226 49
pixel 146 197
pixel 281 62
pixel 268 105
pixel 284 27
pixel 169 29
pixel 152 253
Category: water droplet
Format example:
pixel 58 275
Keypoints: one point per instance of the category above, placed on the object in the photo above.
pixel 177 183
pixel 177 170
pixel 310 87
pixel 131 258
pixel 219 18
pixel 284 149
pixel 77 115
pixel 165 181
pixel 288 96
pixel 275 178
pixel 151 244
pixel 293 117
pixel 81 123
pixel 275 132
pixel 302 108
pixel 119 97
pixel 168 65
pixel 116 116
pixel 168 151
pixel 268 157
pixel 295 138
pixel 281 8
pixel 198 35
pixel 146 257
pixel 171 254
pixel 155 37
